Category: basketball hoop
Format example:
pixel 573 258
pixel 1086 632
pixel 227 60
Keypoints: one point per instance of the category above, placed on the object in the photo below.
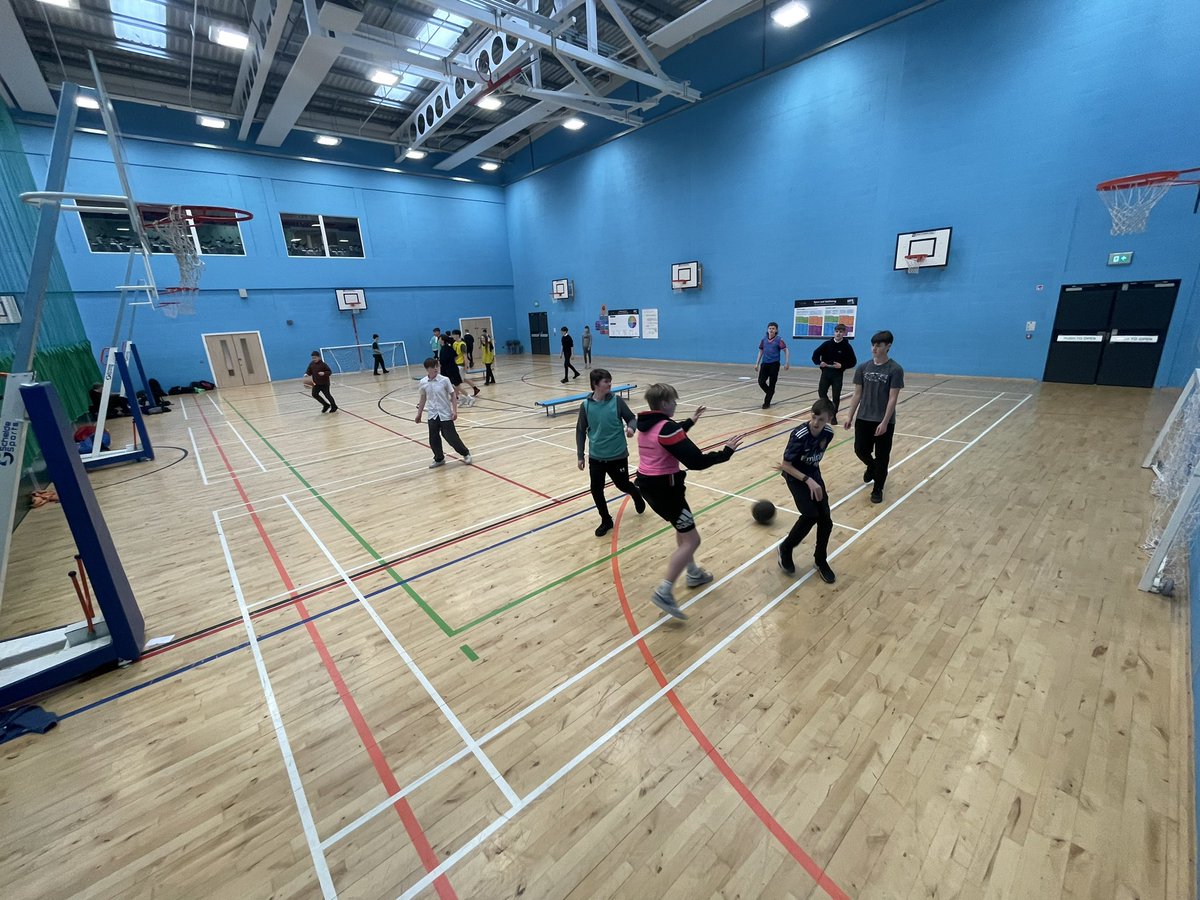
pixel 914 262
pixel 177 229
pixel 1131 199
pixel 678 284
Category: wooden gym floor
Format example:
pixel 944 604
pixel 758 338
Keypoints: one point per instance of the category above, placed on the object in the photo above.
pixel 390 681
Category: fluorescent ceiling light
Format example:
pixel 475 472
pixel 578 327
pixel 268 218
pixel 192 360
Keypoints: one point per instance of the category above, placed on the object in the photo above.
pixel 207 146
pixel 389 169
pixel 227 37
pixel 311 159
pixel 460 178
pixel 211 121
pixel 327 140
pixel 86 101
pixel 791 13
pixel 379 76
pixel 415 154
pixel 574 123
pixel 489 166
pixel 491 101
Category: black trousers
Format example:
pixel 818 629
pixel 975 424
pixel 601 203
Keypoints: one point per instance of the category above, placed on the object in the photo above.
pixel 567 367
pixel 318 390
pixel 875 452
pixel 600 471
pixel 768 376
pixel 488 377
pixel 587 356
pixel 812 513
pixel 831 378
pixel 379 364
pixel 444 428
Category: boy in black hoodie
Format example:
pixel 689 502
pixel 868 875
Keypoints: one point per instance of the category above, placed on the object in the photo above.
pixel 834 358
pixel 663 444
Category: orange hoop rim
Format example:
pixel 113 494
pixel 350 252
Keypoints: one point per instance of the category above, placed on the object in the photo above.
pixel 204 215
pixel 917 257
pixel 1148 179
pixel 178 290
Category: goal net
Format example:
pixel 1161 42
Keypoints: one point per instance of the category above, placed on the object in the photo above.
pixel 1175 460
pixel 360 357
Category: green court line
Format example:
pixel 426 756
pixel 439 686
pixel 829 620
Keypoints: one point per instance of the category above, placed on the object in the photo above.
pixel 429 610
pixel 471 654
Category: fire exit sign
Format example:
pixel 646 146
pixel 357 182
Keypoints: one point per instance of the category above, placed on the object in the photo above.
pixel 1120 258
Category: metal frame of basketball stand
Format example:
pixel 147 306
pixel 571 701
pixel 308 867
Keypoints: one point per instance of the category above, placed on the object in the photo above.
pixel 117 366
pixel 35 663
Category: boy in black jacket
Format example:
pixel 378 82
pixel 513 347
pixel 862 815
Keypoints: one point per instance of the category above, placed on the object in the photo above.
pixel 834 357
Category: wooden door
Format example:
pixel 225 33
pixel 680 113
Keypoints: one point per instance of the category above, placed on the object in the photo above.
pixel 237 359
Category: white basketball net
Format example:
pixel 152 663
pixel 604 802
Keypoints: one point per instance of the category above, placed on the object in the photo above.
pixel 1175 464
pixel 914 264
pixel 1130 207
pixel 176 230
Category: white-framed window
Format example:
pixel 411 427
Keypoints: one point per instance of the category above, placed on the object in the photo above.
pixel 113 233
pixel 307 234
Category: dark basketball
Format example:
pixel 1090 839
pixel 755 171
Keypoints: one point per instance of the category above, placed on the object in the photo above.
pixel 763 511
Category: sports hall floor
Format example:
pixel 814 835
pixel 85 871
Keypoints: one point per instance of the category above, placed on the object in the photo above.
pixel 390 681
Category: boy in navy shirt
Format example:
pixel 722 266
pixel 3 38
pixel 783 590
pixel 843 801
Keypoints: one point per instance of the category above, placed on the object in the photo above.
pixel 801 469
pixel 769 349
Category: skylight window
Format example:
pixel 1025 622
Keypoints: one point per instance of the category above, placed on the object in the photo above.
pixel 443 30
pixel 399 92
pixel 140 26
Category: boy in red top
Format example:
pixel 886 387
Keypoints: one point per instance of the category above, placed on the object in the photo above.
pixel 663 444
pixel 318 371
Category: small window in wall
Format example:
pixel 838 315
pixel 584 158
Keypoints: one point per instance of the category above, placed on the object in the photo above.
pixel 112 232
pixel 312 235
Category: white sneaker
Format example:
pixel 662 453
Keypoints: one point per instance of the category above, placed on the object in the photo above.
pixel 667 604
pixel 467 459
pixel 702 576
pixel 436 463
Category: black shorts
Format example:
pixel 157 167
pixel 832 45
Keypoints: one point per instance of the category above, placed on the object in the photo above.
pixel 666 495
pixel 455 376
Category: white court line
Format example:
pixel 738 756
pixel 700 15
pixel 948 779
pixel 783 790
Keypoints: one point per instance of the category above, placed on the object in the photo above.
pixel 229 422
pixel 923 437
pixel 285 747
pixel 182 407
pixel 214 403
pixel 196 453
pixel 458 726
pixel 600 661
pixel 568 767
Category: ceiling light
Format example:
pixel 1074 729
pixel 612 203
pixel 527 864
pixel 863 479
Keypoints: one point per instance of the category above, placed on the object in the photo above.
pixel 491 101
pixel 311 159
pixel 385 78
pixel 211 121
pixel 227 37
pixel 389 169
pixel 574 123
pixel 489 166
pixel 65 4
pixel 791 13
pixel 206 146
pixel 86 101
pixel 460 178
pixel 327 140
pixel 415 154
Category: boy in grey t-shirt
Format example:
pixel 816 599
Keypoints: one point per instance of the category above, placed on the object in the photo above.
pixel 877 387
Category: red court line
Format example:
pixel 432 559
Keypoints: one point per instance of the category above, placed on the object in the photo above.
pixel 429 858
pixel 809 865
pixel 523 487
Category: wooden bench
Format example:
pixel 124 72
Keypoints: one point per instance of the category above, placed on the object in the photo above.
pixel 551 406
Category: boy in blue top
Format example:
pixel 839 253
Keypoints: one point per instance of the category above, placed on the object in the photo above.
pixel 769 349
pixel 600 423
pixel 801 469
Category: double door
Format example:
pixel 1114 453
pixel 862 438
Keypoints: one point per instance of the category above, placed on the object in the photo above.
pixel 1110 333
pixel 539 333
pixel 236 359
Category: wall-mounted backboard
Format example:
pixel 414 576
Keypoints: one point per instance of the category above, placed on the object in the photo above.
pixel 686 275
pixel 933 244
pixel 562 289
pixel 353 299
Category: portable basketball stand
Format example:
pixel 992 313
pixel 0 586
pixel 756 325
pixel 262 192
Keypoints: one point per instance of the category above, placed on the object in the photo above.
pixel 117 366
pixel 35 663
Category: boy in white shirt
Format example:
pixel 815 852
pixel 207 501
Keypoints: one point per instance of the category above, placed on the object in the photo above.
pixel 437 391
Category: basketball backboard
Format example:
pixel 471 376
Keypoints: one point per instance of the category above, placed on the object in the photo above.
pixel 353 299
pixel 685 275
pixel 934 244
pixel 562 289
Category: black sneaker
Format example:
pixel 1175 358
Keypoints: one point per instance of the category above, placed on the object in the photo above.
pixel 785 562
pixel 604 528
pixel 876 496
pixel 766 404
pixel 639 504
pixel 869 473
pixel 826 573
pixel 564 381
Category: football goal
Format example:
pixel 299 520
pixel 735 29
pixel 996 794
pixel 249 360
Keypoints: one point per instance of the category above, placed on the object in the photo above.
pixel 1175 461
pixel 359 358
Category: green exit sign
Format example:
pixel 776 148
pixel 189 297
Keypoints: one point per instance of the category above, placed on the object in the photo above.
pixel 1122 258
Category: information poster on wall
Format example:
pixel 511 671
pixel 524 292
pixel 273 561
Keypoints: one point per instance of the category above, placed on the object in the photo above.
pixel 650 324
pixel 624 323
pixel 818 318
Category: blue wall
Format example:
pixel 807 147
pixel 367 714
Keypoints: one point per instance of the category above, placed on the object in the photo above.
pixel 436 250
pixel 995 119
